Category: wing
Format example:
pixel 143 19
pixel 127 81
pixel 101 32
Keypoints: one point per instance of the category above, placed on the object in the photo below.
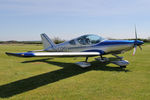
pixel 54 54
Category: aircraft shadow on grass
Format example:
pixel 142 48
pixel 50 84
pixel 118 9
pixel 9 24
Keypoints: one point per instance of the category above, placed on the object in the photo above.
pixel 69 70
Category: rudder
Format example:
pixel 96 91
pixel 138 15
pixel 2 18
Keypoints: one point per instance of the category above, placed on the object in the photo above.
pixel 47 42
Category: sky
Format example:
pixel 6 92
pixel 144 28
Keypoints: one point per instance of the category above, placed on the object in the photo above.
pixel 25 20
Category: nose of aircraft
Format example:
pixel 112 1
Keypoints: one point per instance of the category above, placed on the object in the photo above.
pixel 138 42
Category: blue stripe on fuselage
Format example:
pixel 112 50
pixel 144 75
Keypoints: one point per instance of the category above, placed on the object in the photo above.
pixel 115 42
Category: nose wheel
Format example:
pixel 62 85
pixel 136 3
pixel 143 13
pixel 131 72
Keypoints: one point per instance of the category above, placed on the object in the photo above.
pixel 120 62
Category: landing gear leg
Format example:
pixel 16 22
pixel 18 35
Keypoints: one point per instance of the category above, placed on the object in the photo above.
pixel 86 59
pixel 118 57
pixel 101 57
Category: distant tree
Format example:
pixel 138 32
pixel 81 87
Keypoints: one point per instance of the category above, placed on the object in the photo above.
pixel 57 40
pixel 11 41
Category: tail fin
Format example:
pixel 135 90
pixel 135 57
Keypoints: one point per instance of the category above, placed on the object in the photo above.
pixel 47 42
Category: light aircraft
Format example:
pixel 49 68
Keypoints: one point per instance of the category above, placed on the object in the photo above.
pixel 85 46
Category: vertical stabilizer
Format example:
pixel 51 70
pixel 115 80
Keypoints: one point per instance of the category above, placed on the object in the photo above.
pixel 47 42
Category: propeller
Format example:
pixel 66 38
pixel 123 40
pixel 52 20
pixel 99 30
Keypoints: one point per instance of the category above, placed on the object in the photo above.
pixel 136 43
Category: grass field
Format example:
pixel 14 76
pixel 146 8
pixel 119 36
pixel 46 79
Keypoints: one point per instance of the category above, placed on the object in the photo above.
pixel 60 79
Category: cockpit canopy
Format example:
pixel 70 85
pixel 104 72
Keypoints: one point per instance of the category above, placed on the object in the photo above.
pixel 89 39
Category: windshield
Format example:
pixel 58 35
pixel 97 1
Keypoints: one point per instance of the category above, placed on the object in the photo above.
pixel 89 39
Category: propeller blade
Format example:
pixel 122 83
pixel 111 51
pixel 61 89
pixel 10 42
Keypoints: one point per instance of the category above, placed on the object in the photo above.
pixel 135 33
pixel 136 43
pixel 134 50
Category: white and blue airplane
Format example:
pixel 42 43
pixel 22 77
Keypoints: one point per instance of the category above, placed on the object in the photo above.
pixel 85 46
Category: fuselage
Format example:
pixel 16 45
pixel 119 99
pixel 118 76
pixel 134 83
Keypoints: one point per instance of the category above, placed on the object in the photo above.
pixel 102 45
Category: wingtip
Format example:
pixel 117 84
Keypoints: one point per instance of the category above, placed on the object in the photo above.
pixel 7 53
pixel 25 54
pixel 10 54
pixel 13 54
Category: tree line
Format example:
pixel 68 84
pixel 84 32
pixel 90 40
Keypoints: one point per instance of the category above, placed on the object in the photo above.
pixel 56 41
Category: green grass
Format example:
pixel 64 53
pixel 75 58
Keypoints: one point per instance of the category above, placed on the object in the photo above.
pixel 60 79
